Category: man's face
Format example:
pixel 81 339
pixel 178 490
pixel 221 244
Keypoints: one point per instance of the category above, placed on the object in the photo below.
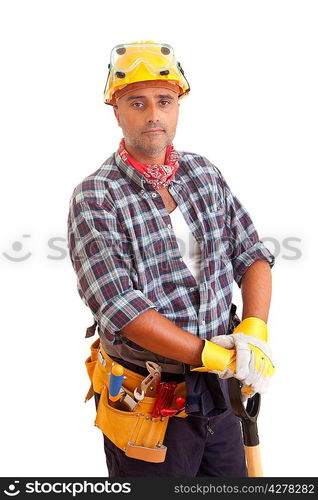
pixel 148 118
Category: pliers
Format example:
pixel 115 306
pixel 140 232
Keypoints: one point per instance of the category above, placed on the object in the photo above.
pixel 152 379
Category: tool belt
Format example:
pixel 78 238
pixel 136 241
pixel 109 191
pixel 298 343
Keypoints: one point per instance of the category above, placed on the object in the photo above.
pixel 135 432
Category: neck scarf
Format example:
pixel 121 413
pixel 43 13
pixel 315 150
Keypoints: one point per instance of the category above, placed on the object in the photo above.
pixel 160 176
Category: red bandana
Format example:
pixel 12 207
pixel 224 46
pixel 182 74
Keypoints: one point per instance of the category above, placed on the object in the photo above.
pixel 159 176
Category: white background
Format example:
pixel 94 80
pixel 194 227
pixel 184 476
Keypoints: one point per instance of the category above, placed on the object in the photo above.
pixel 252 110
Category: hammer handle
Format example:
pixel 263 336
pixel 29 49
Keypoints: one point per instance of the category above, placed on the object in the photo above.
pixel 253 461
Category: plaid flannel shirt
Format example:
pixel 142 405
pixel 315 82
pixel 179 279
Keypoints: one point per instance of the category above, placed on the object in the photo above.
pixel 126 256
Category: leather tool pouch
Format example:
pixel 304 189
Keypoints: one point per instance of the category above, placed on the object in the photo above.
pixel 134 432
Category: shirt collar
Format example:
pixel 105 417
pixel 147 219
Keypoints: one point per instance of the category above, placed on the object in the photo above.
pixel 130 171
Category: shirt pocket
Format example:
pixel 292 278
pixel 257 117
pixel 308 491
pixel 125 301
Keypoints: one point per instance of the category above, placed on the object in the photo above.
pixel 215 233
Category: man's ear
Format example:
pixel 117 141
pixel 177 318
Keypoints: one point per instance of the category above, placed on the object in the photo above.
pixel 117 115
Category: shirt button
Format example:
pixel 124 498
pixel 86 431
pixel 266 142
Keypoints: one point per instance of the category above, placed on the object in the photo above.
pixel 191 289
pixel 181 259
pixel 142 191
pixel 169 226
pixel 203 322
pixel 154 195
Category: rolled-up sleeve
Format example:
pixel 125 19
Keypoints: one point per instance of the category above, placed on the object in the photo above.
pixel 244 244
pixel 102 259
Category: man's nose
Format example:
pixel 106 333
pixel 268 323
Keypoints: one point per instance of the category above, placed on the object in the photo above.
pixel 153 113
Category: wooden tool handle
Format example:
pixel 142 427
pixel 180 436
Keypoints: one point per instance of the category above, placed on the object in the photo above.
pixel 253 461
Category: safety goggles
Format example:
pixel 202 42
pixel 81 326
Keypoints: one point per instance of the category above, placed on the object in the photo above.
pixel 159 58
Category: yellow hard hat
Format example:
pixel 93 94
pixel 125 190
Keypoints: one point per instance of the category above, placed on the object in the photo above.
pixel 141 62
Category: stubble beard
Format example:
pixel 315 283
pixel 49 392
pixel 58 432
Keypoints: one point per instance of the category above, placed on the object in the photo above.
pixel 151 148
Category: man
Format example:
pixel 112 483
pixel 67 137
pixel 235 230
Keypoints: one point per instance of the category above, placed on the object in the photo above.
pixel 128 224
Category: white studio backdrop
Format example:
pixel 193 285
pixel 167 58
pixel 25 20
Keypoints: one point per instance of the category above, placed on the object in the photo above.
pixel 252 110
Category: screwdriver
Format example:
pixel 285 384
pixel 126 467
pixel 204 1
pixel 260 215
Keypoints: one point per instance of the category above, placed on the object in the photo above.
pixel 116 379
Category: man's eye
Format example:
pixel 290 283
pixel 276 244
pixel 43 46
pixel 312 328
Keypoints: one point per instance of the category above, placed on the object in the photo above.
pixel 164 102
pixel 137 104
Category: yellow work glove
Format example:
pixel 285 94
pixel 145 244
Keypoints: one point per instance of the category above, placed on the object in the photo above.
pixel 248 357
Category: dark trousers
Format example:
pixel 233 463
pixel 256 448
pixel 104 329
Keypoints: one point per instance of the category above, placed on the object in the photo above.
pixel 196 446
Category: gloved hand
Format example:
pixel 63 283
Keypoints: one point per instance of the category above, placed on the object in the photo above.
pixel 254 364
pixel 244 355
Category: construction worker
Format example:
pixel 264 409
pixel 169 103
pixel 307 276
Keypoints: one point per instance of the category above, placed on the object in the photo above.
pixel 156 238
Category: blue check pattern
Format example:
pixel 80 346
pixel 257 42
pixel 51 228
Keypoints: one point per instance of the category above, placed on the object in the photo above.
pixel 126 255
